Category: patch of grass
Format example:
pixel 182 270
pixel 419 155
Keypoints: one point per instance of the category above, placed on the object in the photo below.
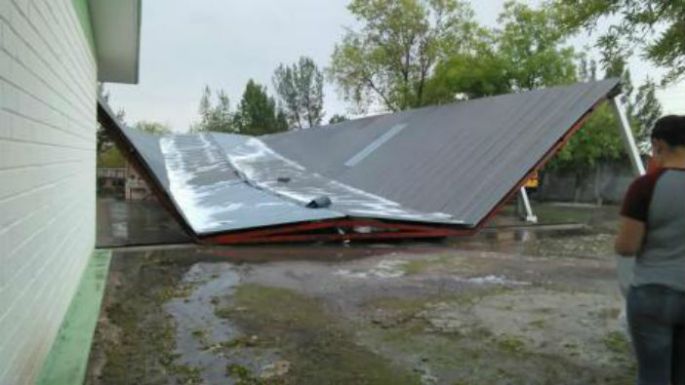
pixel 187 375
pixel 398 306
pixel 242 375
pixel 199 333
pixel 538 323
pixel 617 342
pixel 481 333
pixel 609 313
pixel 478 358
pixel 440 262
pixel 139 339
pixel 417 266
pixel 240 342
pixel 279 306
pixel 561 214
pixel 201 336
pixel 511 344
pixel 544 310
pixel 320 348
pixel 224 312
pixel 474 296
pixel 171 292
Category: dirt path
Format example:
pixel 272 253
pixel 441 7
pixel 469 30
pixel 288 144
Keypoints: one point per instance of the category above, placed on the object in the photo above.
pixel 541 312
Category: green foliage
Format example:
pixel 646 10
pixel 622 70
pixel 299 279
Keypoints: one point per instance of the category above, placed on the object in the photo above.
pixel 598 140
pixel 530 43
pixel 654 27
pixel 257 113
pixel 526 53
pixel 217 118
pixel 390 57
pixel 529 52
pixel 300 89
pixel 155 128
pixel 645 110
pixel 337 118
pixel 111 158
pixel 467 76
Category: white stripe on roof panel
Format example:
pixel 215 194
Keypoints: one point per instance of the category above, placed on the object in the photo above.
pixel 373 146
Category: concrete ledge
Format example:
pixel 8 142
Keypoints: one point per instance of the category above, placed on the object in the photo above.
pixel 67 361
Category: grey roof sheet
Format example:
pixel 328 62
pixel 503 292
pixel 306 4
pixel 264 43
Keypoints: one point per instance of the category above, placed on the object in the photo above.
pixel 209 193
pixel 147 147
pixel 267 170
pixel 448 164
pixel 460 159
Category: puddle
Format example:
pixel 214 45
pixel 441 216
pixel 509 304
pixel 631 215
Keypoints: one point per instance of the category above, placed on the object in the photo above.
pixel 491 280
pixel 204 339
pixel 384 269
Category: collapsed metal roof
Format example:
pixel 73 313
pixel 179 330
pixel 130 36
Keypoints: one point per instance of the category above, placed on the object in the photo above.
pixel 446 168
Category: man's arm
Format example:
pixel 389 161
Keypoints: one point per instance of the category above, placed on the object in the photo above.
pixel 631 234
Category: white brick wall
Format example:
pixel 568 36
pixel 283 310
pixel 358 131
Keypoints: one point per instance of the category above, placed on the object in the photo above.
pixel 47 175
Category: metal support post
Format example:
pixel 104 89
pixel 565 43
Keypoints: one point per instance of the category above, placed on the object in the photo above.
pixel 627 135
pixel 530 217
pixel 624 266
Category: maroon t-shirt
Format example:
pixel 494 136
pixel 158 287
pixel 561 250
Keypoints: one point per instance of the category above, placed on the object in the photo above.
pixel 639 196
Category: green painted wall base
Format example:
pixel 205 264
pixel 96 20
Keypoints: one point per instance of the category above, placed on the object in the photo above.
pixel 67 361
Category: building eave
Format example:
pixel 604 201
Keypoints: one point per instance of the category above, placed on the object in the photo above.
pixel 116 32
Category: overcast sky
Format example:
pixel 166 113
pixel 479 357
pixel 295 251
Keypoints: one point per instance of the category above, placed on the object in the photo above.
pixel 223 43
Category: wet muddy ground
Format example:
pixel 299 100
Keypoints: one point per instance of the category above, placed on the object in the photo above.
pixel 509 307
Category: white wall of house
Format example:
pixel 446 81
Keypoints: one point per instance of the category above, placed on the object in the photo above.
pixel 47 175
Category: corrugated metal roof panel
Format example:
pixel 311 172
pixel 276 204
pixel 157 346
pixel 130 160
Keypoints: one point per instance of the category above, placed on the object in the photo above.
pixel 147 146
pixel 448 165
pixel 208 192
pixel 461 159
pixel 268 171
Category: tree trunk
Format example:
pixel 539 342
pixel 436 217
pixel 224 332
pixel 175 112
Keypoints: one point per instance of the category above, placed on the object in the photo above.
pixel 578 180
pixel 598 190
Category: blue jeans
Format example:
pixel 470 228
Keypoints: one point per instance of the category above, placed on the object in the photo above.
pixel 656 315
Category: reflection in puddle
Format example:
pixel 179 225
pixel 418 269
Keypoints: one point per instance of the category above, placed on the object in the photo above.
pixel 384 269
pixel 491 280
pixel 200 333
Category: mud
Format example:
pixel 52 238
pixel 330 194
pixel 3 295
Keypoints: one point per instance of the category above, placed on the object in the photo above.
pixel 539 310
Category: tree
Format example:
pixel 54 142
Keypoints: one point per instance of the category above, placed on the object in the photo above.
pixel 300 89
pixel 599 139
pixel 257 113
pixel 645 110
pixel 155 128
pixel 468 76
pixel 654 27
pixel 528 52
pixel 216 118
pixel 531 45
pixel 389 59
pixel 337 118
pixel 281 120
pixel 111 158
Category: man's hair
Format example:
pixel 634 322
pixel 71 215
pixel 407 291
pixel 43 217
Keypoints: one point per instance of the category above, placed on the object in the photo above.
pixel 670 129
